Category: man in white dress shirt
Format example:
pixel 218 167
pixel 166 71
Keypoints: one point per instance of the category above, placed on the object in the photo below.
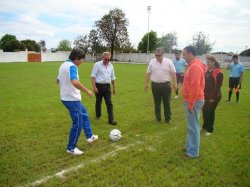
pixel 160 70
pixel 102 75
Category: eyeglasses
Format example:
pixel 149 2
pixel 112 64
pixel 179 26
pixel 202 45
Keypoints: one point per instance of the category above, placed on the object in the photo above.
pixel 106 59
pixel 158 55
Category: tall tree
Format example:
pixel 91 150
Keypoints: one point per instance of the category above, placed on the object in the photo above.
pixel 64 45
pixel 82 42
pixel 42 45
pixel 142 46
pixel 31 45
pixel 6 38
pixel 201 43
pixel 113 28
pixel 12 46
pixel 126 48
pixel 245 52
pixel 95 42
pixel 168 41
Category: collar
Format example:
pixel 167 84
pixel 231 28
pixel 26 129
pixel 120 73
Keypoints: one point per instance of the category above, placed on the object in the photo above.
pixel 105 65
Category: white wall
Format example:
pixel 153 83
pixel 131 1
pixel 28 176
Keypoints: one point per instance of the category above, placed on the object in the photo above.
pixel 121 57
pixel 144 58
pixel 50 57
pixel 13 57
pixel 60 56
pixel 46 57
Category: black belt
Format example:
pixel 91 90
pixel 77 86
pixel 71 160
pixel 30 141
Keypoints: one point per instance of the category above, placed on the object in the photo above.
pixel 167 82
pixel 103 85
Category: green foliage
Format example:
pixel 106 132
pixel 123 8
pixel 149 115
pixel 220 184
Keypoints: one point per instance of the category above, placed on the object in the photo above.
pixel 31 45
pixel 82 42
pixel 245 53
pixel 35 125
pixel 201 43
pixel 142 46
pixel 168 41
pixel 64 45
pixel 6 38
pixel 126 48
pixel 42 45
pixel 95 42
pixel 13 46
pixel 9 43
pixel 112 27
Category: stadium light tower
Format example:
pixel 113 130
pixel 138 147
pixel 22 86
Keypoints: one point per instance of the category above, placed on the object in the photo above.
pixel 148 9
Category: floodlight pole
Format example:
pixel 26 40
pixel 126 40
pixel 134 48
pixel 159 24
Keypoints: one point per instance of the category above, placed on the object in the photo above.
pixel 148 9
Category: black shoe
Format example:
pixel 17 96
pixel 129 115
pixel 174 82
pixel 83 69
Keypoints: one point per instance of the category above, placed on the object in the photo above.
pixel 228 100
pixel 158 120
pixel 113 123
pixel 169 122
pixel 97 118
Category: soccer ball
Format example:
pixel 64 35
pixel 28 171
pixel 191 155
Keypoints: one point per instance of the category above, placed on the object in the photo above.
pixel 115 135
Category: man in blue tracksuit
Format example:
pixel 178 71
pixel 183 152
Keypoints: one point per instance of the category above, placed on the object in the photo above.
pixel 70 87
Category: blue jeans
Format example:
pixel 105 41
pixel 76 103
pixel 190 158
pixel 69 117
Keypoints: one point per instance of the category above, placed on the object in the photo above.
pixel 193 128
pixel 80 119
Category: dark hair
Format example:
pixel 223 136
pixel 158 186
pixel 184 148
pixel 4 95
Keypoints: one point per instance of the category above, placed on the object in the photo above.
pixel 235 56
pixel 190 49
pixel 76 54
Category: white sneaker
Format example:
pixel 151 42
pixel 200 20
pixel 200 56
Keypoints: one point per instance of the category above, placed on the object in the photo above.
pixel 75 151
pixel 208 133
pixel 176 96
pixel 92 139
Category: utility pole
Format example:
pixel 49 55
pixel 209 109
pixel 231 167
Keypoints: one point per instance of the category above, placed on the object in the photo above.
pixel 148 9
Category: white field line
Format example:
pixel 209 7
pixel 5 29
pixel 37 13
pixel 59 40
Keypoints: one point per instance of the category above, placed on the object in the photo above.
pixel 61 174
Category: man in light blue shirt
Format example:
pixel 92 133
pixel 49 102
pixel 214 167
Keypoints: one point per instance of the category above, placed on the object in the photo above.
pixel 236 74
pixel 180 66
pixel 102 75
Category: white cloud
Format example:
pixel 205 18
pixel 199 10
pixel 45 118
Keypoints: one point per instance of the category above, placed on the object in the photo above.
pixel 226 22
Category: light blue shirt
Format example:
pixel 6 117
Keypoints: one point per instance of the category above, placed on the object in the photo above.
pixel 236 69
pixel 103 74
pixel 179 65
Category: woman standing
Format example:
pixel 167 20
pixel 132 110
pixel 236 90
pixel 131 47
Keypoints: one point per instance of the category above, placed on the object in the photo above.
pixel 212 93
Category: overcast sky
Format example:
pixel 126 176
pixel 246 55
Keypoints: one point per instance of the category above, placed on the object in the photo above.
pixel 225 22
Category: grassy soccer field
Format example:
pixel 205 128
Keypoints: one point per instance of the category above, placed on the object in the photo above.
pixel 34 133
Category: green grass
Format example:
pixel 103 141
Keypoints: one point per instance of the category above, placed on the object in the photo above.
pixel 34 132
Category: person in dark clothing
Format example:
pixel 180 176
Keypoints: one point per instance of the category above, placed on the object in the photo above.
pixel 212 93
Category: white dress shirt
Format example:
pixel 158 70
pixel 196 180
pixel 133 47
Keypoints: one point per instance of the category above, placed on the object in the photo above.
pixel 103 74
pixel 161 72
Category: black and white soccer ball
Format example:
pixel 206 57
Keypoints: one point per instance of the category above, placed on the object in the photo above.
pixel 115 135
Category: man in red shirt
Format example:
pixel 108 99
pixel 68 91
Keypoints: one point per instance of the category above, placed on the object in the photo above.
pixel 193 94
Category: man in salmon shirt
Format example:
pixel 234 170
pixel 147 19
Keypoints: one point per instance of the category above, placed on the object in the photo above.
pixel 193 94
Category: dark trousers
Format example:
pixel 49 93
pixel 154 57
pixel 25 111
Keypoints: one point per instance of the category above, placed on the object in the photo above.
pixel 104 90
pixel 233 83
pixel 179 77
pixel 162 91
pixel 208 112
